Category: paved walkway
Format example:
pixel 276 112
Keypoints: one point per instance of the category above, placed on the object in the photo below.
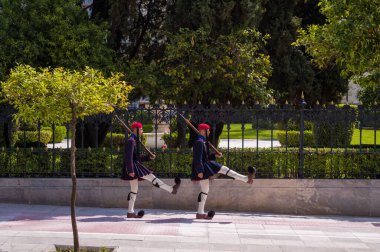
pixel 37 228
pixel 249 143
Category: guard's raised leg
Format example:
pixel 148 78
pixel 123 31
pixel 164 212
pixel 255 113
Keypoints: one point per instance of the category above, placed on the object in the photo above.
pixel 231 173
pixel 160 184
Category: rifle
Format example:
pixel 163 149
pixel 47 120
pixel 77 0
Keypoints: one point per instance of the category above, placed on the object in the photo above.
pixel 197 131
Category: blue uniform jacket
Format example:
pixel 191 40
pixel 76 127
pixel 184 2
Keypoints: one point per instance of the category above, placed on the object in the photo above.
pixel 203 160
pixel 132 160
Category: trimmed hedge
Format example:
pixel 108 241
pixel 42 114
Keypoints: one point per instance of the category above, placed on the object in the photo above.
pixel 31 138
pixel 118 140
pixel 295 126
pixel 276 163
pixel 59 133
pixel 333 134
pixel 294 138
pixel 172 142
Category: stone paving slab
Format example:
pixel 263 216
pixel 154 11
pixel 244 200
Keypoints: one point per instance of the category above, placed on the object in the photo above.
pixel 39 227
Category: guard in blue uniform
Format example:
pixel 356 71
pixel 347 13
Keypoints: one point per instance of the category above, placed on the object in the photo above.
pixel 204 167
pixel 134 171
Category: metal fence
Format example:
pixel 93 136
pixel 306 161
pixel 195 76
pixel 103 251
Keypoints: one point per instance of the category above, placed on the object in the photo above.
pixel 282 141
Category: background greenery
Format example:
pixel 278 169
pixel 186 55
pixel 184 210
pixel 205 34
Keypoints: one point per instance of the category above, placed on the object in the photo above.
pixel 280 163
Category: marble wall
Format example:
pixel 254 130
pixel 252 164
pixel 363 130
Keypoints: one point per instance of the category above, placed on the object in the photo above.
pixel 301 196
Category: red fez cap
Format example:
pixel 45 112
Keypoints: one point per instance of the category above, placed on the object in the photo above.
pixel 137 125
pixel 203 126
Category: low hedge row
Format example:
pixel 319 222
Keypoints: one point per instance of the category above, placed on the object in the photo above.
pixel 270 163
pixel 292 138
pixel 30 138
pixel 59 133
pixel 118 140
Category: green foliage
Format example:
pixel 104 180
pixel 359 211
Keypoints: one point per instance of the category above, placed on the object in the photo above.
pixel 369 96
pixel 172 142
pixel 292 71
pixel 293 138
pixel 49 95
pixel 292 125
pixel 277 163
pixel 60 133
pixel 220 17
pixel 138 22
pixel 328 134
pixel 229 67
pixel 30 138
pixel 56 33
pixel 350 38
pixel 118 140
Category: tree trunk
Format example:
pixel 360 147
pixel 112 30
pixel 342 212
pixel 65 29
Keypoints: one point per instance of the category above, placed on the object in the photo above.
pixel 73 178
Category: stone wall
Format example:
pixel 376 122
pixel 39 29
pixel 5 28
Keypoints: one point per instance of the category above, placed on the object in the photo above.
pixel 301 196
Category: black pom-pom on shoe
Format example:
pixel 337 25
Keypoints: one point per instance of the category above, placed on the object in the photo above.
pixel 251 174
pixel 177 180
pixel 251 170
pixel 211 214
pixel 141 213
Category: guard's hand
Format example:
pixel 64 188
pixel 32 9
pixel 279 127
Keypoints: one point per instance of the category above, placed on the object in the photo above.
pixel 152 157
pixel 131 174
pixel 218 155
pixel 200 175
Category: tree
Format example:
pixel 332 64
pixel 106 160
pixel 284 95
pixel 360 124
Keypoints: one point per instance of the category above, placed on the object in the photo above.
pixel 198 68
pixel 350 38
pixel 218 17
pixel 231 67
pixel 58 96
pixel 55 33
pixel 293 72
pixel 135 26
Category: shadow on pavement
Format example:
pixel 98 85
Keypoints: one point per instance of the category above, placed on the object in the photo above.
pixel 183 221
pixel 102 219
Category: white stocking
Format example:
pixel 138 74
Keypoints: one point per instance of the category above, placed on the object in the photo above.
pixel 157 182
pixel 202 197
pixel 132 195
pixel 231 173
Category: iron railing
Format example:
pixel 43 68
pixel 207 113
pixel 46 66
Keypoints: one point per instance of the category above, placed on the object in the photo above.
pixel 281 141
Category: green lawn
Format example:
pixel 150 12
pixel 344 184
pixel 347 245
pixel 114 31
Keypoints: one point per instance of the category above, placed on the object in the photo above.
pixel 249 133
pixel 368 136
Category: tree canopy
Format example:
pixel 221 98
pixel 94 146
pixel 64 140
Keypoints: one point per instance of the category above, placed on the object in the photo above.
pixel 350 38
pixel 55 33
pixel 49 95
pixel 202 69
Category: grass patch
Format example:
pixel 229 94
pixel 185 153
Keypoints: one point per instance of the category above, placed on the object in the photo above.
pixel 368 137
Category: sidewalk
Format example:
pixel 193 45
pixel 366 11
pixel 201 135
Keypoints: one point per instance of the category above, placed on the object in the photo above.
pixel 37 228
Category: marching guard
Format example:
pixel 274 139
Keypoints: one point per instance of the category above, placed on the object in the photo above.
pixel 134 171
pixel 204 167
